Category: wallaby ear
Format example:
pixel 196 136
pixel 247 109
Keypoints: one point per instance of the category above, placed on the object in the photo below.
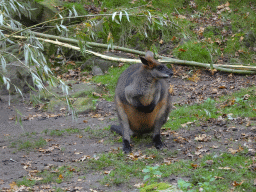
pixel 144 61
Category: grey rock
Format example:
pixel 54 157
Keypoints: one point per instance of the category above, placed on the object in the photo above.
pixel 96 70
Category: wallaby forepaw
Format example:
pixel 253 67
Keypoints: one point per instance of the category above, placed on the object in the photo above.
pixel 157 141
pixel 126 146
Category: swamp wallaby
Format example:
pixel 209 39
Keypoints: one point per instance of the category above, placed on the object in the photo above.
pixel 142 100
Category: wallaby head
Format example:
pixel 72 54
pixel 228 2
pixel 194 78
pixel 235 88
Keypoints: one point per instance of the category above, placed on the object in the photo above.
pixel 156 69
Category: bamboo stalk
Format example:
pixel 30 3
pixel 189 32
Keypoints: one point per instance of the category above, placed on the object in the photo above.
pixel 137 60
pixel 225 68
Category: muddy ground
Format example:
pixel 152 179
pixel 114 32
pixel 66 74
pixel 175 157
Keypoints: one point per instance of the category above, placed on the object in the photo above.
pixel 187 89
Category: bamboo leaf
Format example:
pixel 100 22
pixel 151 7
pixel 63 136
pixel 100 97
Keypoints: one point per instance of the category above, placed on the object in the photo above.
pixel 113 16
pixel 120 16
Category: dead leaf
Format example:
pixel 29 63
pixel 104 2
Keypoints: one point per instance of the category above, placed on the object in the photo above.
pixel 167 161
pixel 217 178
pixel 13 186
pixel 227 4
pixel 85 121
pixel 186 124
pixel 171 89
pixel 225 168
pixel 97 94
pixel 203 138
pixel 181 16
pixel 194 165
pixel 222 87
pixel 161 41
pixel 182 50
pixel 237 184
pixel 107 172
pixel 139 185
pixel 233 151
pixel 84 157
pixel 173 38
pixel 1 181
pixel 214 91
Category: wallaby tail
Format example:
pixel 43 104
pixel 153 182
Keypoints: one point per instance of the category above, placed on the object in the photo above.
pixel 117 129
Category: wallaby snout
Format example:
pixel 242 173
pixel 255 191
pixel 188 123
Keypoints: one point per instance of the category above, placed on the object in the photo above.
pixel 142 100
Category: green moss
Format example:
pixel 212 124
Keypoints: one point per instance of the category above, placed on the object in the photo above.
pixel 193 51
pixel 155 187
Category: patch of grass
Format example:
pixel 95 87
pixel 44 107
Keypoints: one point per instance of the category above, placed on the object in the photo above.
pixel 192 113
pixel 192 51
pixel 72 130
pixel 239 104
pixel 96 133
pixel 110 80
pixel 56 175
pixel 56 132
pixel 223 167
pixel 27 182
pixel 28 145
pixel 40 143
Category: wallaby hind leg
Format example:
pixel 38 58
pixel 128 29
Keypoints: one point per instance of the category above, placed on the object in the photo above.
pixel 124 123
pixel 161 120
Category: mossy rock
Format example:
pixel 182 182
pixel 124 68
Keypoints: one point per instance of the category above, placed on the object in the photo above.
pixel 83 105
pixel 84 90
pixel 55 105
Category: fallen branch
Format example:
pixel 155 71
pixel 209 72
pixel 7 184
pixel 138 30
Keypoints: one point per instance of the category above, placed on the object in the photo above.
pixel 240 69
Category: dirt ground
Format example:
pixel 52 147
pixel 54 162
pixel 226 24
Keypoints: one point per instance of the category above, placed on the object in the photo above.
pixel 15 164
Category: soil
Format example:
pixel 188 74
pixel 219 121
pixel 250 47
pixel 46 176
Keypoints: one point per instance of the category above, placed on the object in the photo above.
pixel 186 89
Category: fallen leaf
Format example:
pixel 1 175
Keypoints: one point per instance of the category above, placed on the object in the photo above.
pixel 60 176
pixel 161 41
pixel 227 4
pixel 203 138
pixel 222 87
pixel 182 50
pixel 107 172
pixel 194 165
pixel 237 184
pixel 217 178
pixel 173 38
pixel 85 121
pixel 171 89
pixel 181 16
pixel 233 151
pixel 13 186
pixel 225 168
pixel 139 185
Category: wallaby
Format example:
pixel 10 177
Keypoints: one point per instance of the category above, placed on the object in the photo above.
pixel 142 100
